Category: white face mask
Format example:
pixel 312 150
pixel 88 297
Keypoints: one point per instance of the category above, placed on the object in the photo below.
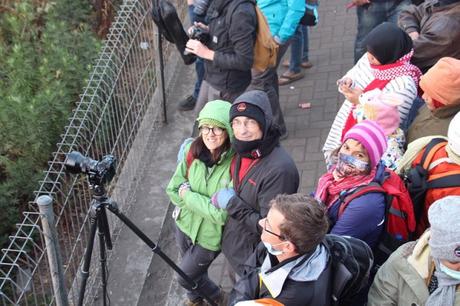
pixel 452 273
pixel 271 250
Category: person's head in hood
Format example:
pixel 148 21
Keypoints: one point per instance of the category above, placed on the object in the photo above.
pixel 251 120
pixel 387 43
pixel 441 84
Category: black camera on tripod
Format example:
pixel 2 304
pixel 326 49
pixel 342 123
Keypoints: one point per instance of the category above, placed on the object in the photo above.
pixel 99 172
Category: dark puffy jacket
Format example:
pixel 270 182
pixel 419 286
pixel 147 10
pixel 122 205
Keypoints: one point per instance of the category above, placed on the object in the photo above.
pixel 232 38
pixel 275 173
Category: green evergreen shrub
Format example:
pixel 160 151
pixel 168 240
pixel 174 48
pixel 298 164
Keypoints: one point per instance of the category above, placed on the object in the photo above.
pixel 46 51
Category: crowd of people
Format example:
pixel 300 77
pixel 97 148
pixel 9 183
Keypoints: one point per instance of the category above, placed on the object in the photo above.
pixel 396 137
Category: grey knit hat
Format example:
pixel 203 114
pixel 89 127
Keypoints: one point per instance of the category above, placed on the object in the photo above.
pixel 444 215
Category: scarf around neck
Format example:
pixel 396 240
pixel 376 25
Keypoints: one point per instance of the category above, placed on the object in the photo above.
pixel 444 295
pixel 329 190
pixel 383 74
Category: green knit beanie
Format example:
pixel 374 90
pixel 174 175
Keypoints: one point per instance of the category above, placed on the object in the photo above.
pixel 216 113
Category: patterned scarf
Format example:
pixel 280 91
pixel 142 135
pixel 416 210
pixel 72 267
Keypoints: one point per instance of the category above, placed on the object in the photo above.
pixel 328 190
pixel 383 74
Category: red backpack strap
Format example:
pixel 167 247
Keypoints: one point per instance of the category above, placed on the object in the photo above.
pixel 371 187
pixel 188 160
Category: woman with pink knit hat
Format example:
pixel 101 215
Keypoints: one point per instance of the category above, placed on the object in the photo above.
pixel 358 164
pixel 441 87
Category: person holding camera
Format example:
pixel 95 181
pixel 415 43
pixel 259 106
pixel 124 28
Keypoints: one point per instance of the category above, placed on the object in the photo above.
pixel 226 45
pixel 203 169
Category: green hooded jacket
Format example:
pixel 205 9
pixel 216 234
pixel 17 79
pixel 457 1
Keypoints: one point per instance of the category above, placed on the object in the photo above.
pixel 198 218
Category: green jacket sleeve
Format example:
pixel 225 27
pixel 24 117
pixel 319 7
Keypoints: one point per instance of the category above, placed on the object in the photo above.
pixel 201 205
pixel 173 186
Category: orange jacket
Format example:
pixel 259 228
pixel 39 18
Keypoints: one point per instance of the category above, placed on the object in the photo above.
pixel 442 169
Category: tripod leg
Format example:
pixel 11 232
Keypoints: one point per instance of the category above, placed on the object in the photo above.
pixel 102 254
pixel 87 260
pixel 156 249
pixel 104 227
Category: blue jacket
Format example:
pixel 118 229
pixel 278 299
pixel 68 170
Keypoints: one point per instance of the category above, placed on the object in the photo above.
pixel 283 16
pixel 363 218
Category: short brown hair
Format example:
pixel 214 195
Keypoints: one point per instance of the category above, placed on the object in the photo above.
pixel 305 220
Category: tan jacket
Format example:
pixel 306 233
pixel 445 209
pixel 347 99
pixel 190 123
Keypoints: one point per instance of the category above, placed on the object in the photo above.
pixel 403 278
pixel 439 29
pixel 428 123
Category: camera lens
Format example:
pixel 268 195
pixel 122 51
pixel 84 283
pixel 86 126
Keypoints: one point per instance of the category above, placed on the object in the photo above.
pixel 77 163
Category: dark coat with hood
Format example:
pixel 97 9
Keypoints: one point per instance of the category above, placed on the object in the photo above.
pixel 232 29
pixel 274 173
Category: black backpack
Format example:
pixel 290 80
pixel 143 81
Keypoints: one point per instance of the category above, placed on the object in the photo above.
pixel 417 179
pixel 164 15
pixel 351 263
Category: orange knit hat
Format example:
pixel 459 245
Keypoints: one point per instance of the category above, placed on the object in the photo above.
pixel 442 81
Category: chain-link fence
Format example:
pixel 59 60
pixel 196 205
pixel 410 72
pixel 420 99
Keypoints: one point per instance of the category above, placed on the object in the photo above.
pixel 106 121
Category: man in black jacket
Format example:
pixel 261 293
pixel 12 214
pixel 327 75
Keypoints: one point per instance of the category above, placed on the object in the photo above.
pixel 291 265
pixel 228 51
pixel 261 170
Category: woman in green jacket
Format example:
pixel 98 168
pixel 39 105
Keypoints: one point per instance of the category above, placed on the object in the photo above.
pixel 203 169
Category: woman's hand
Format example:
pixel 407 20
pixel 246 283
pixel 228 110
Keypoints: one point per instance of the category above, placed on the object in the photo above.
pixel 183 188
pixel 196 47
pixel 352 94
pixel 345 82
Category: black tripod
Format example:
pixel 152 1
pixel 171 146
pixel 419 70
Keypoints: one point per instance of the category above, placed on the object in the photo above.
pixel 98 220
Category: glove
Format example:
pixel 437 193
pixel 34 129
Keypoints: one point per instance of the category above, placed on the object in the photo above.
pixel 184 187
pixel 181 153
pixel 221 198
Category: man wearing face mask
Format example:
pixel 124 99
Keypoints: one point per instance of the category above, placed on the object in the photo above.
pixel 260 170
pixel 291 265
pixel 426 271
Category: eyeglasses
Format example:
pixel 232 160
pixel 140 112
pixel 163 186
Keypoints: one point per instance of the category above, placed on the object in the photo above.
pixel 270 232
pixel 248 123
pixel 215 130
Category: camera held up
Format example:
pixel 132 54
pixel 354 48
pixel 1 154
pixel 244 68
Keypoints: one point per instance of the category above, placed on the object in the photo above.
pixel 199 34
pixel 99 172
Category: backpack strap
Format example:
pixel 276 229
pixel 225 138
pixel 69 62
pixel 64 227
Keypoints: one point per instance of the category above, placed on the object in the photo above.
pixel 371 187
pixel 444 180
pixel 188 160
pixel 432 147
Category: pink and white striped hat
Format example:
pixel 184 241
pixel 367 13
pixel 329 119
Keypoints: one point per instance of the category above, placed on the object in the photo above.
pixel 372 137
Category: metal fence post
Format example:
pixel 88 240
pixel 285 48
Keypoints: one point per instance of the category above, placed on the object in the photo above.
pixel 45 205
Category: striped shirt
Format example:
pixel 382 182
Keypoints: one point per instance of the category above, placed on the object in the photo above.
pixel 361 74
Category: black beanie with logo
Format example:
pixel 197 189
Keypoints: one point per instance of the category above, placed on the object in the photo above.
pixel 249 110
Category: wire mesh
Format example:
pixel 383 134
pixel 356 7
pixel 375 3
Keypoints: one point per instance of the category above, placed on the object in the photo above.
pixel 106 121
